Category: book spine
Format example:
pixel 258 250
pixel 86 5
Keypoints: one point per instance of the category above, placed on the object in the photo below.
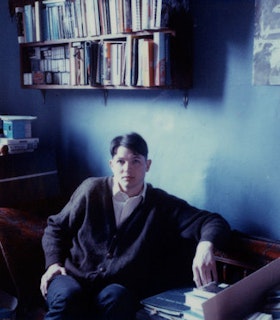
pixel 145 14
pixel 159 58
pixel 148 63
pixel 134 66
pixel 107 80
pixel 158 14
pixel 168 79
pixel 101 17
pixel 38 21
pixel 20 24
pixel 136 15
pixel 28 23
pixel 97 17
pixel 127 16
pixel 108 18
pixel 113 16
pixel 140 62
pixel 128 61
pixel 87 62
pixel 120 16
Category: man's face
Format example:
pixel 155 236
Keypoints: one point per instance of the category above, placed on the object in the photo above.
pixel 129 170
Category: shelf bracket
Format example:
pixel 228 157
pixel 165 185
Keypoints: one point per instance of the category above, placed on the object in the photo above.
pixel 106 94
pixel 186 99
pixel 44 93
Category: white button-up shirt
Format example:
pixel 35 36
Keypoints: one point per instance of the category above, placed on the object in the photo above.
pixel 123 204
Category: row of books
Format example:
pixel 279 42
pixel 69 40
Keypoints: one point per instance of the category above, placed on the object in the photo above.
pixel 133 61
pixel 13 146
pixel 63 19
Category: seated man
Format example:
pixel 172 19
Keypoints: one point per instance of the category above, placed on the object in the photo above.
pixel 110 244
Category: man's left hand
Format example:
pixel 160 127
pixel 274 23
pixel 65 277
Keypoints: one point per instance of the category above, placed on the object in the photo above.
pixel 204 264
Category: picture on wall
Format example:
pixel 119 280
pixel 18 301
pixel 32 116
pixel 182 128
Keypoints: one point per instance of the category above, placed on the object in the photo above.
pixel 266 55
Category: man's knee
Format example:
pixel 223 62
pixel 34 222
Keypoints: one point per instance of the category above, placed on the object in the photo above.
pixel 63 291
pixel 116 302
pixel 114 292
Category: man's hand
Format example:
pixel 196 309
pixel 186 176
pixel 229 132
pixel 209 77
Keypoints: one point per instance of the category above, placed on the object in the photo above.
pixel 204 264
pixel 53 270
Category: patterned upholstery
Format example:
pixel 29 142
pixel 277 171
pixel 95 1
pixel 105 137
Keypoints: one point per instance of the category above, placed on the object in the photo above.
pixel 20 244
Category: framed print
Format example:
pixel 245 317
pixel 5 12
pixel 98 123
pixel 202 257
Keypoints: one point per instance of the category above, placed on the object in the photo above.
pixel 266 55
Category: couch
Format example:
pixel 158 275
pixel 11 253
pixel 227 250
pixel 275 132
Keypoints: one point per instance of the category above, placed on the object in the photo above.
pixel 22 260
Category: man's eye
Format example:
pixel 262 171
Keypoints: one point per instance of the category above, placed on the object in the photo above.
pixel 120 161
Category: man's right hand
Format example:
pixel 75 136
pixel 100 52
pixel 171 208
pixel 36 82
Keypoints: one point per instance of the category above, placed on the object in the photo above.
pixel 52 271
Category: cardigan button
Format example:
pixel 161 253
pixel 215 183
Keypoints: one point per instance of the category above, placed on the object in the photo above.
pixel 102 269
pixel 109 255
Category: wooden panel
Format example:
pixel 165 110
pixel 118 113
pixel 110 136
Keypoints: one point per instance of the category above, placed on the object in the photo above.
pixel 28 178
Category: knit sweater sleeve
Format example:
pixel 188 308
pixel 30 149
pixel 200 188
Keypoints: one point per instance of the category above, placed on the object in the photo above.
pixel 193 223
pixel 203 225
pixel 58 235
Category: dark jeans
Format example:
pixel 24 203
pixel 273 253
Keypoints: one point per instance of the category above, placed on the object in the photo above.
pixel 68 300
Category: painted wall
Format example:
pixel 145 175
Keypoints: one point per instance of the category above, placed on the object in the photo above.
pixel 220 153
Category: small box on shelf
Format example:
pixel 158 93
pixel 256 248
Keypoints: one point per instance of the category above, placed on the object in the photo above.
pixel 16 134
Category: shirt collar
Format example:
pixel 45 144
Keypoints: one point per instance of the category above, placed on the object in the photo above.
pixel 118 194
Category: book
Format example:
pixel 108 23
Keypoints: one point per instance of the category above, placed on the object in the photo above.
pixel 259 316
pixel 113 16
pixel 145 14
pixel 136 15
pixel 128 61
pixel 28 22
pixel 20 24
pixel 148 62
pixel 159 58
pixel 134 62
pixel 38 21
pixel 158 10
pixel 102 17
pixel 91 26
pixel 97 18
pixel 210 290
pixel 120 16
pixel 168 302
pixel 127 16
pixel 196 297
pixel 117 63
pixel 194 302
pixel 106 64
pixel 12 146
pixel 170 305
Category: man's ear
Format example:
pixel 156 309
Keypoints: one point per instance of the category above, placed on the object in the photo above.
pixel 111 164
pixel 148 165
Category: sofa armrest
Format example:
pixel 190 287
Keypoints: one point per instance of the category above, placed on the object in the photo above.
pixel 245 255
pixel 21 252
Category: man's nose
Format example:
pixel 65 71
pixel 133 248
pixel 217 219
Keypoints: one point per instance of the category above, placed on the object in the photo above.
pixel 127 166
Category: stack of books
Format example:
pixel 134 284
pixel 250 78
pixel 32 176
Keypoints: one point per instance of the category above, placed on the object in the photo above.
pixel 260 316
pixel 272 303
pixel 182 303
pixel 16 135
pixel 170 305
pixel 197 296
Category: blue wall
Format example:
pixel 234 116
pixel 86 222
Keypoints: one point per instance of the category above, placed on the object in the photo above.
pixel 220 153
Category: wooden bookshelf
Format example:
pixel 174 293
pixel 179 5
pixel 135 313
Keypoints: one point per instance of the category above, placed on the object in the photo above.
pixel 97 44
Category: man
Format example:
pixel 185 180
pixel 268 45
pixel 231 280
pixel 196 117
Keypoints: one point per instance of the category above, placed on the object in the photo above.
pixel 118 239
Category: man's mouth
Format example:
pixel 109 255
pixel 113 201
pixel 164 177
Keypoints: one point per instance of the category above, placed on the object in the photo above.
pixel 127 178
